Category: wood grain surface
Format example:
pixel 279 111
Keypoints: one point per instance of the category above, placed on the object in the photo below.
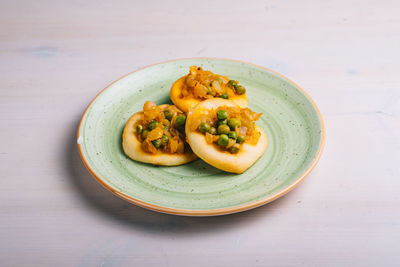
pixel 55 56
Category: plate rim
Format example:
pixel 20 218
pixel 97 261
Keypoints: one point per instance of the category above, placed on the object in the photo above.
pixel 207 212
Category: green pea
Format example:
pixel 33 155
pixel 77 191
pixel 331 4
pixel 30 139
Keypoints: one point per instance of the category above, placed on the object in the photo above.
pixel 232 135
pixel 234 122
pixel 223 129
pixel 168 114
pixel 180 120
pixel 240 139
pixel 156 143
pixel 232 83
pixel 165 122
pixel 223 140
pixel 165 139
pixel 222 122
pixel 240 90
pixel 204 127
pixel 222 114
pixel 145 133
pixel 153 125
pixel 234 149
pixel 224 96
pixel 139 128
pixel 213 131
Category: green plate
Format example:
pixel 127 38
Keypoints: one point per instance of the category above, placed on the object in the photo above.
pixel 290 119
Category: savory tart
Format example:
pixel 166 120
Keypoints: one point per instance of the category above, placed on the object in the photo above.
pixel 200 85
pixel 225 135
pixel 156 135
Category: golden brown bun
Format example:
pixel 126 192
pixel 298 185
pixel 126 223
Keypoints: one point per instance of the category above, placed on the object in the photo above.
pixel 188 102
pixel 224 160
pixel 133 148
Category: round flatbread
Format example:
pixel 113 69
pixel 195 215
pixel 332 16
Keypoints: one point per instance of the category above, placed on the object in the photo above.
pixel 185 103
pixel 224 160
pixel 133 148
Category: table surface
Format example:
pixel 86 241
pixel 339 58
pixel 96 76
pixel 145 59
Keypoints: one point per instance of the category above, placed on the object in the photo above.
pixel 55 56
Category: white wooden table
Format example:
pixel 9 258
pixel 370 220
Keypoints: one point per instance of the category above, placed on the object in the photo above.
pixel 56 56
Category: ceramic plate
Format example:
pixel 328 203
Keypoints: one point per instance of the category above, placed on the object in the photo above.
pixel 290 119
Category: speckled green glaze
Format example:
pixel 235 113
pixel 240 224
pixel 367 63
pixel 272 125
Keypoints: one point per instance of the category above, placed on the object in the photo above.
pixel 290 120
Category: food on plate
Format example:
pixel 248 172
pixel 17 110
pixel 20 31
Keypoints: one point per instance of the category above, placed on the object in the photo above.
pixel 200 85
pixel 225 135
pixel 156 135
